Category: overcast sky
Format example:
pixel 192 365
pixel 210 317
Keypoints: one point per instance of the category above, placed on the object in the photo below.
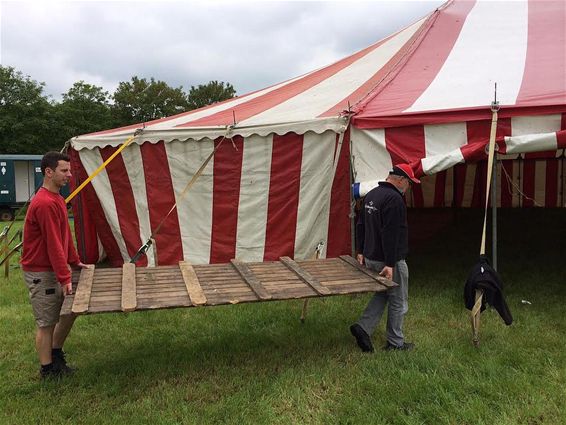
pixel 250 44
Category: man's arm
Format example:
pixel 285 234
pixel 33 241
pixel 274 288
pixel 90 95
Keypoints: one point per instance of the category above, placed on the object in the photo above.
pixel 51 233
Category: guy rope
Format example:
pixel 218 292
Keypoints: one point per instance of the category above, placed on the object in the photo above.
pixel 476 310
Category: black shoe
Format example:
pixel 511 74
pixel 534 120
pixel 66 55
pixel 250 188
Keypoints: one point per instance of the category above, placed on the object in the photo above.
pixel 362 338
pixel 60 363
pixel 407 346
pixel 49 372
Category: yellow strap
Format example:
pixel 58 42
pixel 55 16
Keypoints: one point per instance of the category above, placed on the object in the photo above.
pixel 99 169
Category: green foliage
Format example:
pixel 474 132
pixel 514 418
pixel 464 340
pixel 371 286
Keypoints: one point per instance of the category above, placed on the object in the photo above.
pixel 25 114
pixel 85 108
pixel 257 364
pixel 141 100
pixel 31 123
pixel 207 94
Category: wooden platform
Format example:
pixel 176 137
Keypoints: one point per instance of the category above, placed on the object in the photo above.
pixel 101 290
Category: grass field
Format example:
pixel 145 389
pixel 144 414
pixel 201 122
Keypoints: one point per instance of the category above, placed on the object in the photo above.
pixel 256 363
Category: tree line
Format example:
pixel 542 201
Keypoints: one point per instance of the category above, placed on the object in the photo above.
pixel 33 123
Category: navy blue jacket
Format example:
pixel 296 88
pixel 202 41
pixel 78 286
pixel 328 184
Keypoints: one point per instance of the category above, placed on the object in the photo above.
pixel 381 230
pixel 483 276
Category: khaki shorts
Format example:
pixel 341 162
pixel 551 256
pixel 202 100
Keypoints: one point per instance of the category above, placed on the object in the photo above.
pixel 46 297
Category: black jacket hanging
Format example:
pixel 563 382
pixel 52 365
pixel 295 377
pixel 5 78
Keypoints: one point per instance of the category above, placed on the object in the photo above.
pixel 484 277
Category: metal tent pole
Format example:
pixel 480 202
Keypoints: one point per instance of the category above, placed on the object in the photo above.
pixel 494 214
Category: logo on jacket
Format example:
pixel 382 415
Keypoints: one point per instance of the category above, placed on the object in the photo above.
pixel 369 207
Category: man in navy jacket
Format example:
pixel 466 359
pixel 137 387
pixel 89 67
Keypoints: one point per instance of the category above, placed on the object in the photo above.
pixel 382 245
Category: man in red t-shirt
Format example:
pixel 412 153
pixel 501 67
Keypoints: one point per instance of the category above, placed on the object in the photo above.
pixel 48 251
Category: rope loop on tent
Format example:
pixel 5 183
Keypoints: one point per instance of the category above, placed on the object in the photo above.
pixel 143 249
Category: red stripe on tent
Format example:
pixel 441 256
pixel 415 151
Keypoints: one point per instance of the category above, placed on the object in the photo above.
pixel 506 188
pixel 339 238
pixel 545 65
pixel 267 101
pixel 160 199
pixel 103 229
pixel 125 203
pixel 551 186
pixel 85 229
pixel 226 195
pixel 405 144
pixel 283 203
pixel 478 133
pixel 439 189
pixel 561 139
pixel 418 196
pixel 427 59
pixel 450 115
pixel 459 184
pixel 540 155
pixel 528 182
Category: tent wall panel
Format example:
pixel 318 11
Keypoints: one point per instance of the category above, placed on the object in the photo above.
pixel 300 195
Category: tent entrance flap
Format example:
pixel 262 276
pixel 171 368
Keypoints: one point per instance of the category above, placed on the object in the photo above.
pixel 100 290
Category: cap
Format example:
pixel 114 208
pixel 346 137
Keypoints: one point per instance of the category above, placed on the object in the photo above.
pixel 404 170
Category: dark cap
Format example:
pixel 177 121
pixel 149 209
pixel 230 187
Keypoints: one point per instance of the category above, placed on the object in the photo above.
pixel 404 170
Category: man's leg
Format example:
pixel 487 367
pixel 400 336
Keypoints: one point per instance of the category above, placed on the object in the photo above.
pixel 376 306
pixel 398 304
pixel 43 343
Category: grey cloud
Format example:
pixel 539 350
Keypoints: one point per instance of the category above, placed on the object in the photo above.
pixel 249 44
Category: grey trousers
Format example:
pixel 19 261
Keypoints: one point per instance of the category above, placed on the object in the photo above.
pixel 398 299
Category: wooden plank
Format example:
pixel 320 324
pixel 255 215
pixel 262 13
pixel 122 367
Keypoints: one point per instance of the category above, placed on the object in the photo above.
pixel 84 289
pixel 374 275
pixel 129 301
pixel 305 276
pixel 190 278
pixel 251 280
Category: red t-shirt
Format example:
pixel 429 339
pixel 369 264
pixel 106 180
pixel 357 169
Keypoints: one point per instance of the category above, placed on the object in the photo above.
pixel 48 244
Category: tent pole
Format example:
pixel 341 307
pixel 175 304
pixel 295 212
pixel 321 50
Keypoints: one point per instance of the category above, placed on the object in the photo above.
pixel 494 214
pixel 352 202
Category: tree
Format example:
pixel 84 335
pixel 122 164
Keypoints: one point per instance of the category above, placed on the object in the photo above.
pixel 141 100
pixel 85 108
pixel 25 114
pixel 207 94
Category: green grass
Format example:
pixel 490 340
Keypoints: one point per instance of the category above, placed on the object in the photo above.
pixel 256 363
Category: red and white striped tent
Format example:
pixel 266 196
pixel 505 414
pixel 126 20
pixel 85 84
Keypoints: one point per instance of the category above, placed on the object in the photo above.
pixel 280 182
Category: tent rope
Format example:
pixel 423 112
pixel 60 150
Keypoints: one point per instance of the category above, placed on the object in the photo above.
pixel 151 240
pixel 511 183
pixel 476 310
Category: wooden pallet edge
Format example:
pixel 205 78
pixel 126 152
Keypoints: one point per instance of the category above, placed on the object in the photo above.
pixel 129 296
pixel 374 275
pixel 305 276
pixel 252 281
pixel 83 293
pixel 195 291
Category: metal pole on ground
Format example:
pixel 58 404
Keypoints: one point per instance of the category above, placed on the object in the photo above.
pixel 494 215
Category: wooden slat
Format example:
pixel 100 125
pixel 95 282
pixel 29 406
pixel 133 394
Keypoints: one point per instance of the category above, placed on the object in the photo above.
pixel 129 301
pixel 305 276
pixel 194 289
pixel 251 280
pixel 384 281
pixel 84 289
